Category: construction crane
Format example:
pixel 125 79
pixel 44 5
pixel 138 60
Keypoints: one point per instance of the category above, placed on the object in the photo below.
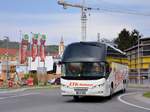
pixel 84 10
pixel 83 15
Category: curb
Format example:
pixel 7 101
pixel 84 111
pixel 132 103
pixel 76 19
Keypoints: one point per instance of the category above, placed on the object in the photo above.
pixel 13 91
pixel 138 86
pixel 24 89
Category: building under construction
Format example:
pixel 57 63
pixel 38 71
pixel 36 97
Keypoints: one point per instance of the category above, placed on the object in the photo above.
pixel 139 58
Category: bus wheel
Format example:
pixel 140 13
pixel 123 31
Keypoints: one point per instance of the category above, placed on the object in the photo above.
pixel 124 90
pixel 111 92
pixel 124 86
pixel 76 98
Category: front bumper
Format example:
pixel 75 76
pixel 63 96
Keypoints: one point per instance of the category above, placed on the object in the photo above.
pixel 82 91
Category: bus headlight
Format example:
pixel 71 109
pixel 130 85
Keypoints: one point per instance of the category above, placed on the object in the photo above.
pixel 64 86
pixel 100 85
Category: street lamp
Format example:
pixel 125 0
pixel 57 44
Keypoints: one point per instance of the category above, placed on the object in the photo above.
pixel 7 66
pixel 98 37
pixel 139 60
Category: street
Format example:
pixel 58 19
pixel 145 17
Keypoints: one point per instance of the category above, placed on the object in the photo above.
pixel 50 100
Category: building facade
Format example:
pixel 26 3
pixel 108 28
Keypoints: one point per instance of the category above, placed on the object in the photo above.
pixel 139 58
pixel 8 62
pixel 61 47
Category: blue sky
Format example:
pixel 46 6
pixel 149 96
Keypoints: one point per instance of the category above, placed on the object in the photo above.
pixel 46 16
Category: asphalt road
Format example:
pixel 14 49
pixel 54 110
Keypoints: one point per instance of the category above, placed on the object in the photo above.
pixel 51 101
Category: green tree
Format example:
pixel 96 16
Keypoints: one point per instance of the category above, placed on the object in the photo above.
pixel 126 39
pixel 123 39
pixel 135 35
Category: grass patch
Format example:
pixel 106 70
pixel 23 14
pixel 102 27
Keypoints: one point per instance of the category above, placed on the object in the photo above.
pixel 45 87
pixel 147 94
pixel 48 86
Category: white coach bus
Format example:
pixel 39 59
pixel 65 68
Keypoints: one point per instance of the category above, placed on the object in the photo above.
pixel 93 69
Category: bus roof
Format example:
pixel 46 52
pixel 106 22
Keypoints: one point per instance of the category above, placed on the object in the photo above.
pixel 87 52
pixel 84 52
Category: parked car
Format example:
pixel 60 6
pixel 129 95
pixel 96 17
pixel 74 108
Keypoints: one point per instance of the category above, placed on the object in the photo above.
pixel 54 81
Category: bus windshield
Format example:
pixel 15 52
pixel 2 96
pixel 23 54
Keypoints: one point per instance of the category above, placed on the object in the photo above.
pixel 84 69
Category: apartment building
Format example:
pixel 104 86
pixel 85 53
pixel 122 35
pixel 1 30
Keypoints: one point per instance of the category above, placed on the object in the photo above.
pixel 139 58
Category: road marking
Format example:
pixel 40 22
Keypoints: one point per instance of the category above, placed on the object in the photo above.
pixel 15 96
pixel 13 91
pixel 133 105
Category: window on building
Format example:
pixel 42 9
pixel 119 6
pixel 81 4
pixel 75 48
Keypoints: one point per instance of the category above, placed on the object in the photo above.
pixel 146 42
pixel 12 69
pixel 146 48
pixel 145 53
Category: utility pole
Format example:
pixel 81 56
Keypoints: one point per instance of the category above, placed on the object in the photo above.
pixel 98 37
pixel 83 15
pixel 139 61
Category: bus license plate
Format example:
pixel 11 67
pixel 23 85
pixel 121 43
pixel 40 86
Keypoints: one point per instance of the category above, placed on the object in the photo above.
pixel 80 92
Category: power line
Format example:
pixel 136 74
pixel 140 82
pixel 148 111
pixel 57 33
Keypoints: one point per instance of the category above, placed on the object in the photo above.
pixel 84 10
pixel 65 4
pixel 121 12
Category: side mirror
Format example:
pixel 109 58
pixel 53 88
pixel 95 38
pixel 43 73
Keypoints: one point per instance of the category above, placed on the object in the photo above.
pixel 60 63
pixel 54 68
pixel 108 70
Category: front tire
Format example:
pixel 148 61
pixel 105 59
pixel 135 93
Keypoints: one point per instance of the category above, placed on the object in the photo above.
pixel 124 90
pixel 124 86
pixel 76 98
pixel 111 93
